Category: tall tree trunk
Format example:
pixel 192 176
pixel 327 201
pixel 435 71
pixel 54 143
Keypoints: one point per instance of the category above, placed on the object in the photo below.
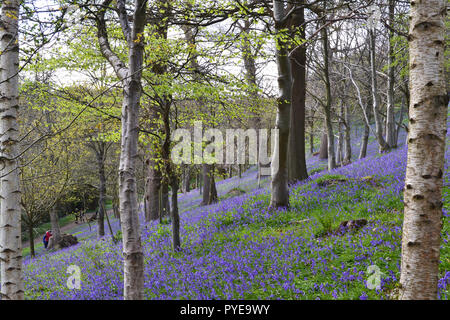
pixel 426 148
pixel 296 148
pixel 207 176
pixel 250 76
pixel 154 179
pixel 12 287
pixel 131 83
pixel 132 248
pixel 391 140
pixel 279 164
pixel 328 104
pixel 154 175
pixel 375 96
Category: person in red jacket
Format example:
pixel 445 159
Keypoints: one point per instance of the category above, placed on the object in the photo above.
pixel 46 238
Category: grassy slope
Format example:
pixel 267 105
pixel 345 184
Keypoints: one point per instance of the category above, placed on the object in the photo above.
pixel 240 249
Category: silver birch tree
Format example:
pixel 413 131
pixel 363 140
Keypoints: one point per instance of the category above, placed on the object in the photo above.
pixel 426 148
pixel 130 76
pixel 12 287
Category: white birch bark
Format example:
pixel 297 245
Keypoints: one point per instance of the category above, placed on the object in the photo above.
pixel 12 287
pixel 131 83
pixel 426 147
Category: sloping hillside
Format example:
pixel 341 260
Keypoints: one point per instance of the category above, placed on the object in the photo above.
pixel 238 249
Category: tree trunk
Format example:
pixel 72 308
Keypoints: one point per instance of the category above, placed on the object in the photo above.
pixel 347 137
pixel 323 151
pixel 131 84
pixel 391 140
pixel 426 148
pixel 296 148
pixel 327 106
pixel 165 204
pixel 176 242
pixel 31 236
pixel 171 176
pixel 364 142
pixel 340 149
pixel 206 184
pixel 109 226
pixel 375 96
pixel 152 186
pixel 209 185
pixel 132 249
pixel 12 287
pixel 155 177
pixel 400 120
pixel 279 164
pixel 187 178
pixel 213 191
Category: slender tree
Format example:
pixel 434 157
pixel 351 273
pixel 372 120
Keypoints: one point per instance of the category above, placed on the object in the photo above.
pixel 426 149
pixel 12 287
pixel 130 77
pixel 348 145
pixel 100 149
pixel 391 137
pixel 296 153
pixel 328 103
pixel 279 185
pixel 375 95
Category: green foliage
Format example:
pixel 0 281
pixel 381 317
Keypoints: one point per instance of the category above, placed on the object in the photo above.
pixel 118 235
pixel 94 254
pixel 325 220
pixel 316 170
pixel 330 177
